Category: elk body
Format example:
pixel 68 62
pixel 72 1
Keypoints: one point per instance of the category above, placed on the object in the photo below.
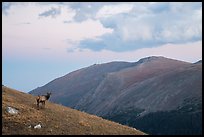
pixel 42 99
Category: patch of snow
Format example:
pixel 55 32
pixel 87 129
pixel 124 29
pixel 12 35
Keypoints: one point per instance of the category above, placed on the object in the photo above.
pixel 135 129
pixel 12 110
pixel 37 126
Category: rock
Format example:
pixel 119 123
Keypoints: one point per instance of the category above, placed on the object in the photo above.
pixel 29 126
pixel 37 126
pixel 12 110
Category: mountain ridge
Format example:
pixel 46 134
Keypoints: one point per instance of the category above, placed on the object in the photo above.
pixel 150 85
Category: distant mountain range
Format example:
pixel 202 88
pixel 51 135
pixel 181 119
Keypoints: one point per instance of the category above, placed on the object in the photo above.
pixel 157 95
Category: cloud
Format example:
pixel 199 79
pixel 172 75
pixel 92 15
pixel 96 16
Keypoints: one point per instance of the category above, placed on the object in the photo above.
pixel 118 27
pixel 23 23
pixel 143 25
pixel 37 34
pixel 5 7
pixel 114 42
pixel 86 10
pixel 110 10
pixel 67 21
pixel 190 52
pixel 46 48
pixel 158 7
pixel 53 12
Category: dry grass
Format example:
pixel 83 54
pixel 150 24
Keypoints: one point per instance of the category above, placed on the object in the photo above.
pixel 55 119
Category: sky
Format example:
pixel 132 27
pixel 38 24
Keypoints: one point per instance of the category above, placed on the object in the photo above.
pixel 44 41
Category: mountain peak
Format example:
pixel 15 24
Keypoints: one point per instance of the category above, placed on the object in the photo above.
pixel 150 58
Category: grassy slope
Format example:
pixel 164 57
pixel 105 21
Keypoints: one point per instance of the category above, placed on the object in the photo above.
pixel 55 119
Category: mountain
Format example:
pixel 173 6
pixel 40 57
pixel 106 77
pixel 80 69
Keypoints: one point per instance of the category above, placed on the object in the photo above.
pixel 157 95
pixel 71 87
pixel 54 119
pixel 200 61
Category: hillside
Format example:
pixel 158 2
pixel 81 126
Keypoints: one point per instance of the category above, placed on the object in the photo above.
pixel 54 119
pixel 69 89
pixel 137 94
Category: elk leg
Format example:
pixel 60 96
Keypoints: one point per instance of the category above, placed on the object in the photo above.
pixel 38 105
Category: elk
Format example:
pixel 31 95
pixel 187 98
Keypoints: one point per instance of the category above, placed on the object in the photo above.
pixel 42 99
